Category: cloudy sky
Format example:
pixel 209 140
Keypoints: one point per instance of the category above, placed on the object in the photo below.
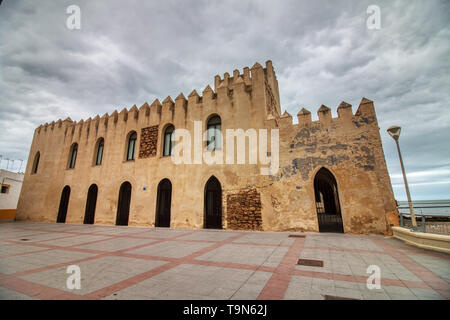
pixel 130 52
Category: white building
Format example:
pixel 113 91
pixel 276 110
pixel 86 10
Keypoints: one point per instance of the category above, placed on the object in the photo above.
pixel 11 184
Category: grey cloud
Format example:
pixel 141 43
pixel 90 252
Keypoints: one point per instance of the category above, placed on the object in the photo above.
pixel 130 52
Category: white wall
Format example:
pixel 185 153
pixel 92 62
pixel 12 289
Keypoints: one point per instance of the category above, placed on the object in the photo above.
pixel 14 180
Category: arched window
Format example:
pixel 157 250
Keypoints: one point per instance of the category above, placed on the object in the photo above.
pixel 214 134
pixel 73 155
pixel 99 151
pixel 131 146
pixel 36 163
pixel 168 141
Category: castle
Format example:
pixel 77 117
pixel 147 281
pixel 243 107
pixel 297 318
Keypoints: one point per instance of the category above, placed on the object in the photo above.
pixel 119 168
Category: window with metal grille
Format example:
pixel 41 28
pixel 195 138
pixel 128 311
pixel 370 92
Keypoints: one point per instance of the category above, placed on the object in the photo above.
pixel 73 156
pixel 99 154
pixel 131 146
pixel 214 134
pixel 168 141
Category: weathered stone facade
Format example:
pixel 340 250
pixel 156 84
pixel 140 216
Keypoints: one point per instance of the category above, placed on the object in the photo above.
pixel 348 146
pixel 149 142
pixel 244 210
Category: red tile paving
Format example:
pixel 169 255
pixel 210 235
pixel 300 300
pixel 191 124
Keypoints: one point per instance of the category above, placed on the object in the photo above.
pixel 277 285
pixel 275 288
pixel 432 280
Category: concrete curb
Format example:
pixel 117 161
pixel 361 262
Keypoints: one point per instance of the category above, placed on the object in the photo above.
pixel 435 242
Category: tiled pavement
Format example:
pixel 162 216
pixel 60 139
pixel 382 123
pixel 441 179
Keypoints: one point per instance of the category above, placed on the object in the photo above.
pixel 158 263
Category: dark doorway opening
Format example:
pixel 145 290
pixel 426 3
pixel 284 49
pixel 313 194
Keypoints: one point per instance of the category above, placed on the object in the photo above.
pixel 213 204
pixel 163 203
pixel 327 202
pixel 63 205
pixel 123 205
pixel 91 202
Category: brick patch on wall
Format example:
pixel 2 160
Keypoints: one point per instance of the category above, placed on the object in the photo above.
pixel 149 142
pixel 244 210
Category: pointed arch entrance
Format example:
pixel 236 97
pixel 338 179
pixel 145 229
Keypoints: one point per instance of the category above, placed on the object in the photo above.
pixel 63 205
pixel 213 204
pixel 123 205
pixel 91 203
pixel 163 203
pixel 327 202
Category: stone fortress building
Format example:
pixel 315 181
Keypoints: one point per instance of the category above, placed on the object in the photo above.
pixel 117 169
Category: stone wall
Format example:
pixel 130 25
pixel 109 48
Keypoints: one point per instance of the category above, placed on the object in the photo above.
pixel 349 146
pixel 244 210
pixel 149 142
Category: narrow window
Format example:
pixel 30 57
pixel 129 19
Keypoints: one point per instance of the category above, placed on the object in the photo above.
pixel 73 156
pixel 214 134
pixel 131 146
pixel 35 163
pixel 168 141
pixel 99 157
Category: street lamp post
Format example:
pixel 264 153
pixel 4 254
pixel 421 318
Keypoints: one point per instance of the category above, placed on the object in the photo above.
pixel 394 132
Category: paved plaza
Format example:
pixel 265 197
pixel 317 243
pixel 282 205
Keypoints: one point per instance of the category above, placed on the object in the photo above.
pixel 158 263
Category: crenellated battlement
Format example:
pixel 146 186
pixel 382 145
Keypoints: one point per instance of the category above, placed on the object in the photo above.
pixel 168 110
pixel 256 84
pixel 364 115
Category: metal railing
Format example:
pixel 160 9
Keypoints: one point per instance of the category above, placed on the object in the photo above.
pixel 429 223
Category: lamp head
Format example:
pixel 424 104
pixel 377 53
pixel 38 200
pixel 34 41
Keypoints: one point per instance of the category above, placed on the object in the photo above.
pixel 394 132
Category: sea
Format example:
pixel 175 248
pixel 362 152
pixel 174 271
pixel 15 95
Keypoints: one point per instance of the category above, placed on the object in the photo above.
pixel 427 207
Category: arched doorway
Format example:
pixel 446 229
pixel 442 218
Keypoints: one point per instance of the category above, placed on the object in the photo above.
pixel 91 202
pixel 163 203
pixel 327 202
pixel 123 204
pixel 213 204
pixel 63 205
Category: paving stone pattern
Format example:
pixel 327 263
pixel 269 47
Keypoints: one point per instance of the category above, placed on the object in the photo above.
pixel 159 263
